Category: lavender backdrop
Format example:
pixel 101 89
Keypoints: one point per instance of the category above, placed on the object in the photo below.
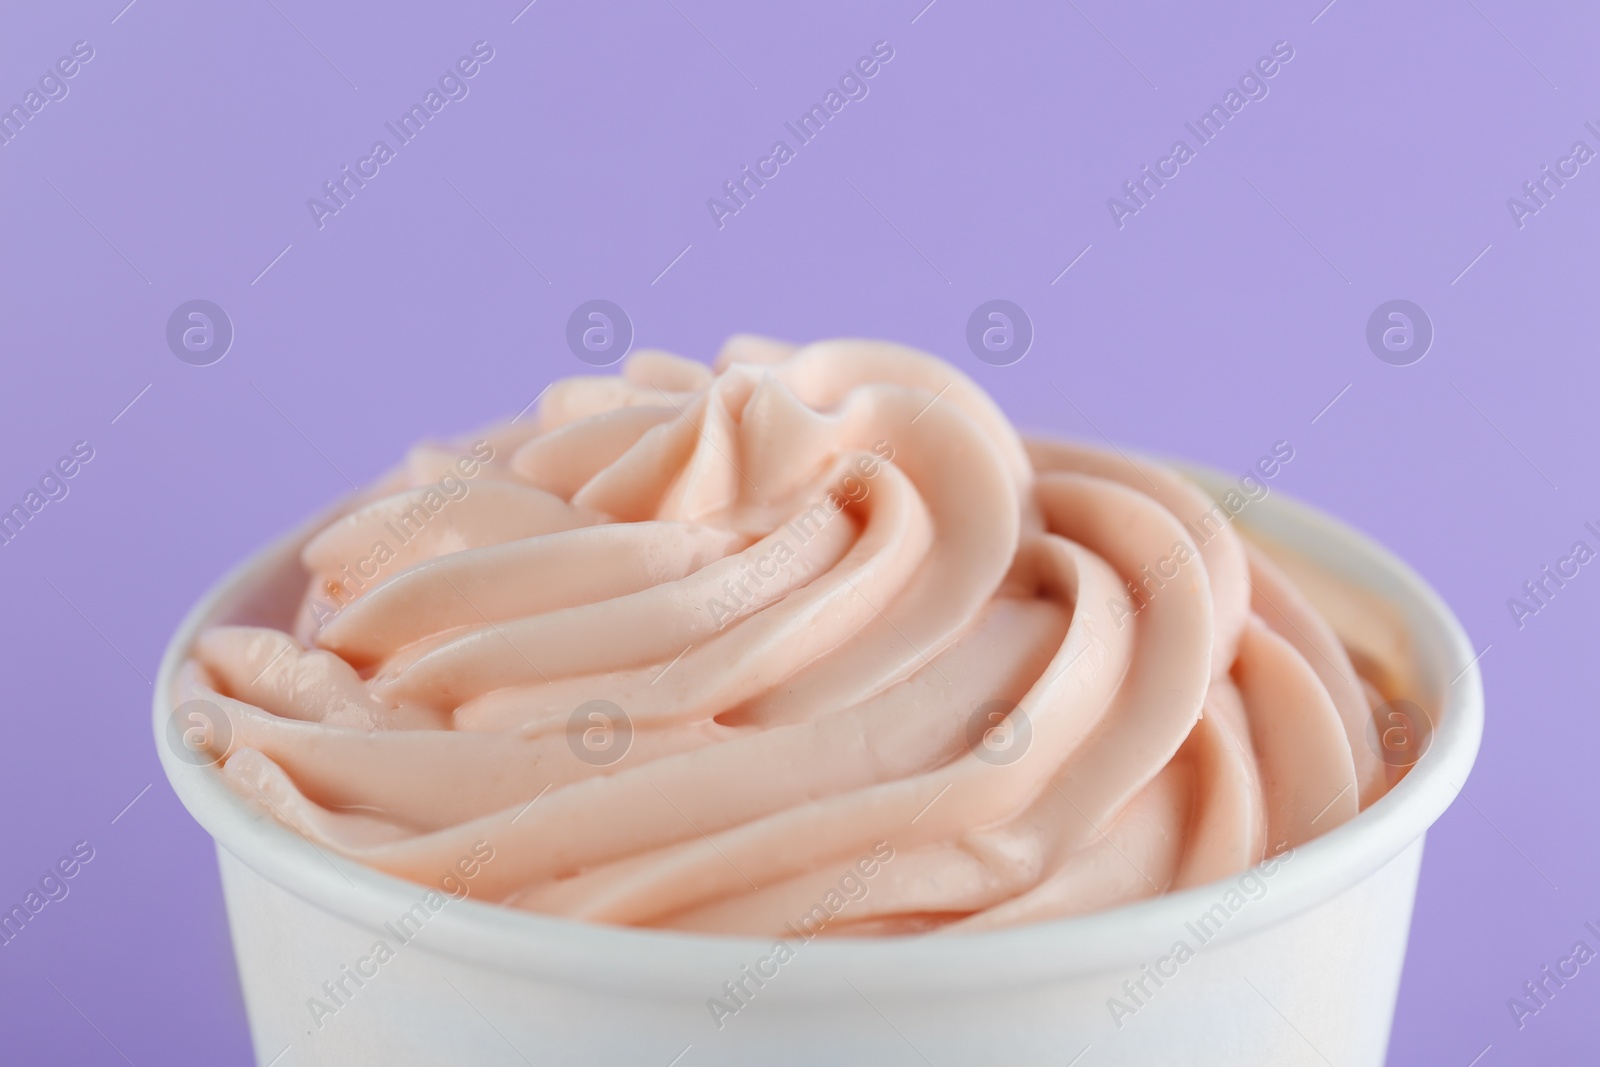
pixel 1228 311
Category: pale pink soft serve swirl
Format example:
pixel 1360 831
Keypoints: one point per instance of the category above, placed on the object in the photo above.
pixel 793 707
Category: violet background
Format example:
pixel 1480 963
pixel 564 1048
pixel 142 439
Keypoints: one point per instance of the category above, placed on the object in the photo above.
pixel 1222 318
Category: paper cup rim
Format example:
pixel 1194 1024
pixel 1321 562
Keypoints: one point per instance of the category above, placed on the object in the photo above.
pixel 621 958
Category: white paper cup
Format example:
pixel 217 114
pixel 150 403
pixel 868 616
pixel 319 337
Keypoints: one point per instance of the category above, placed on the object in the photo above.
pixel 1305 971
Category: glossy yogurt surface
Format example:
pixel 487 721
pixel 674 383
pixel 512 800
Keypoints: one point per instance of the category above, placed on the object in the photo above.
pixel 810 642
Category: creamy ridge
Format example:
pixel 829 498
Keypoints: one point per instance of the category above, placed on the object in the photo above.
pixel 691 642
